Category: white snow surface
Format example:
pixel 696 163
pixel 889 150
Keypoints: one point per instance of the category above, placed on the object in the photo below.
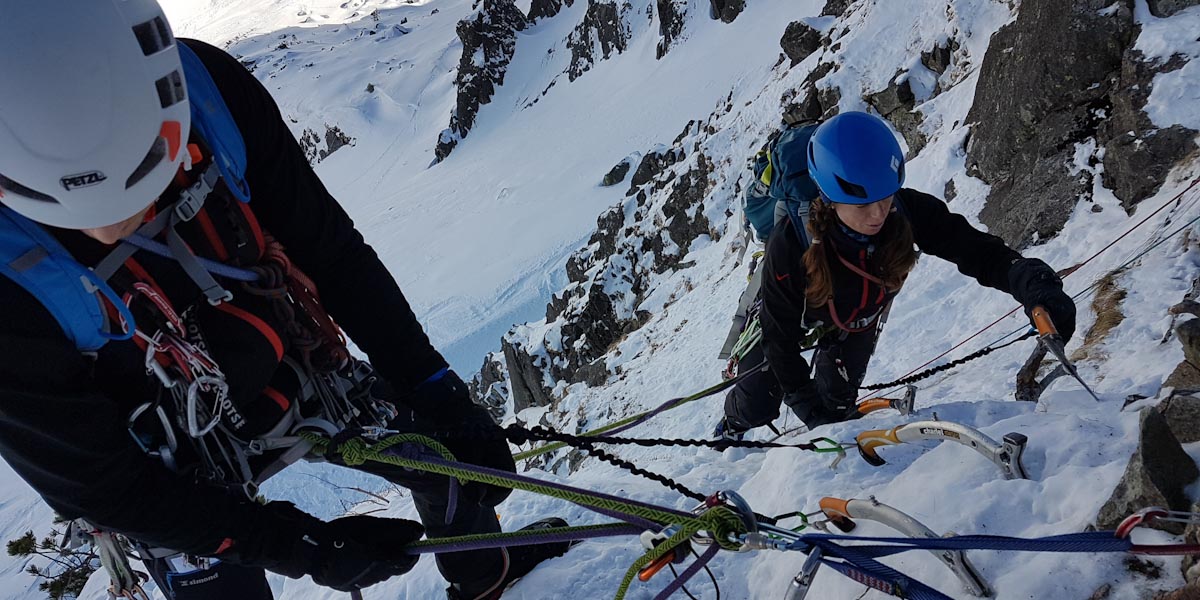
pixel 478 244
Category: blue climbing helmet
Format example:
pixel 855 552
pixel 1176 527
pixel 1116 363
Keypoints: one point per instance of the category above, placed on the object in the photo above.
pixel 855 159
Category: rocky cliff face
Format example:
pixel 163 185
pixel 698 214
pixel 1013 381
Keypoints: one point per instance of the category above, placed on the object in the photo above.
pixel 317 147
pixel 603 31
pixel 489 39
pixel 544 9
pixel 1060 77
pixel 648 234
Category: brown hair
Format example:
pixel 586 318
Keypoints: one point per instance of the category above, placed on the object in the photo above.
pixel 894 254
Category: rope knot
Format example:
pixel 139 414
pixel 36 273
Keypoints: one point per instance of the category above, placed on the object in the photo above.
pixel 352 451
pixel 725 525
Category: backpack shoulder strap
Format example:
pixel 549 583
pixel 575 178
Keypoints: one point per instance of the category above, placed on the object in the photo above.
pixel 213 121
pixel 36 261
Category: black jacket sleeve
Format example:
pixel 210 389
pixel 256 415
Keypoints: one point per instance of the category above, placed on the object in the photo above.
pixel 783 306
pixel 981 255
pixel 70 443
pixel 949 236
pixel 293 205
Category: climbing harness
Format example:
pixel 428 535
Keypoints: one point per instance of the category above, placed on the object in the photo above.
pixel 1005 455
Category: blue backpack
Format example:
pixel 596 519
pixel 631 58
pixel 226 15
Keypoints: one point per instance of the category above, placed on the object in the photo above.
pixel 781 185
pixel 33 258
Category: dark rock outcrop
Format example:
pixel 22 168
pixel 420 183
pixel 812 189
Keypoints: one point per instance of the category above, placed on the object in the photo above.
pixel 1189 335
pixel 317 148
pixel 672 15
pixel 811 101
pixel 836 8
pixel 938 59
pixel 617 173
pixel 1139 155
pixel 602 26
pixel 1187 373
pixel 727 10
pixel 1086 82
pixel 1166 8
pixel 1043 88
pixel 1182 412
pixel 1156 475
pixel 1190 591
pixel 895 103
pixel 526 374
pixel 492 34
pixel 489 387
pixel 799 41
pixel 687 196
pixel 1191 562
pixel 652 164
pixel 544 9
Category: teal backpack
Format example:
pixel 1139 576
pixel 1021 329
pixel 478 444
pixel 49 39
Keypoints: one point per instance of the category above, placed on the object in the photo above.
pixel 34 259
pixel 781 185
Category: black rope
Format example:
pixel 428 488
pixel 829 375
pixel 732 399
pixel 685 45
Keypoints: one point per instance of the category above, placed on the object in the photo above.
pixel 927 373
pixel 520 435
pixel 636 470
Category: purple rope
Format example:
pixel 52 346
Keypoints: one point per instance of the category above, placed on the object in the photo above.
pixel 689 572
pixel 617 529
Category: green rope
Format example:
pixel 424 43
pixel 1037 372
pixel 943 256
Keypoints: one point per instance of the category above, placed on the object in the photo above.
pixel 362 451
pixel 724 525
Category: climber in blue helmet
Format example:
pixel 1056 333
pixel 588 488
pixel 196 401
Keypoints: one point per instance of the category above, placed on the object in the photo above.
pixel 863 233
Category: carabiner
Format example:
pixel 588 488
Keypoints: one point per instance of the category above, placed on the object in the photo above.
pixel 1150 514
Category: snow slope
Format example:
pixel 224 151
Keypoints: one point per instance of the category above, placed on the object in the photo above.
pixel 478 243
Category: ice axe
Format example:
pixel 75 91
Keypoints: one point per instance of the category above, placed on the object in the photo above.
pixel 1052 341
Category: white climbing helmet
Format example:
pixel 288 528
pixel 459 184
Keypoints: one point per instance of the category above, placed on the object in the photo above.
pixel 94 116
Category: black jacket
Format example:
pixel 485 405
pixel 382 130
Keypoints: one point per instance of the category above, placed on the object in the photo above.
pixel 937 231
pixel 63 415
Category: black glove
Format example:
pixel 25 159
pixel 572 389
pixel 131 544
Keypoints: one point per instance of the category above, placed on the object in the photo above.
pixel 816 409
pixel 470 433
pixel 355 552
pixel 346 554
pixel 1034 284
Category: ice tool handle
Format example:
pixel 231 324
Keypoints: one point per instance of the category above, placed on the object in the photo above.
pixel 1053 341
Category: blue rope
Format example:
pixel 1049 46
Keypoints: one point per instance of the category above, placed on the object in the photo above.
pixel 858 561
pixel 1090 541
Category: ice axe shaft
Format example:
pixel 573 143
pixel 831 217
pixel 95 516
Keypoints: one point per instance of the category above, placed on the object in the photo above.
pixel 1050 338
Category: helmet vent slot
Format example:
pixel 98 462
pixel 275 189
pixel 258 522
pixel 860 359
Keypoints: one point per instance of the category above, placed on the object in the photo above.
pixel 158 152
pixel 170 89
pixel 852 189
pixel 10 186
pixel 153 35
